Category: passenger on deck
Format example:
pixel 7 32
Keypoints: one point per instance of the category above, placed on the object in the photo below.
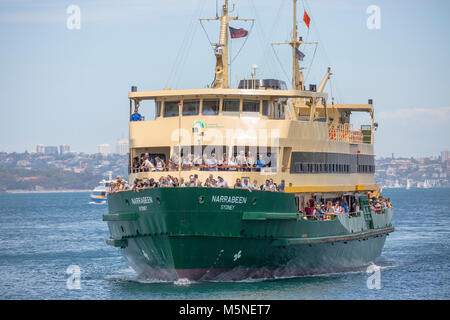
pixel 221 183
pixel 250 160
pixel 338 208
pixel 197 160
pixel 310 211
pixel 153 183
pixel 210 182
pixel 357 207
pixel 259 164
pixel 182 183
pixel 241 160
pixel 147 164
pixel 345 206
pixel 281 186
pixel 272 186
pixel 163 182
pixel 187 162
pixel 173 166
pixel 238 184
pixel 160 165
pixel 388 203
pixel 136 116
pixel 266 187
pixel 223 163
pixel 212 162
pixel 246 185
pixel 329 207
pixel 232 164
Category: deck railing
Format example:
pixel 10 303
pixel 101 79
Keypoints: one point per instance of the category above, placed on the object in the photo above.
pixel 205 168
pixel 344 132
pixel 332 216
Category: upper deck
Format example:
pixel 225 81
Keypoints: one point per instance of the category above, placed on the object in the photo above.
pixel 288 111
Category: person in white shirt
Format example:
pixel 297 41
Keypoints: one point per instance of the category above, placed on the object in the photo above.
pixel 187 163
pixel 266 186
pixel 221 183
pixel 246 185
pixel 338 208
pixel 148 164
pixel 241 160
pixel 255 185
pixel 232 164
pixel 272 186
pixel 212 162
pixel 160 165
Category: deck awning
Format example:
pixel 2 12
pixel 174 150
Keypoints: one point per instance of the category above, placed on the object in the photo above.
pixel 212 92
pixel 347 107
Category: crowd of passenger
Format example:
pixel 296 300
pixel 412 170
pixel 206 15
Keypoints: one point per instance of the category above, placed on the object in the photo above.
pixel 315 210
pixel 210 182
pixel 327 210
pixel 241 162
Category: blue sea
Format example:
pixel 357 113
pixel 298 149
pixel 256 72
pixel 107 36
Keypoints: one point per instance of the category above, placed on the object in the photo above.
pixel 46 239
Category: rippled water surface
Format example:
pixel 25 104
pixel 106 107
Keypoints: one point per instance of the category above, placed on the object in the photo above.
pixel 41 235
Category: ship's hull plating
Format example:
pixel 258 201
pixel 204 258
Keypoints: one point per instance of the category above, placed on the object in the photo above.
pixel 226 234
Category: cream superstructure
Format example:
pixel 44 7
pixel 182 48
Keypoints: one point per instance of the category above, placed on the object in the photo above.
pixel 312 145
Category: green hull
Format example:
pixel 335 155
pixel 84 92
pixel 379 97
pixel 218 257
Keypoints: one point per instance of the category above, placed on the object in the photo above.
pixel 229 234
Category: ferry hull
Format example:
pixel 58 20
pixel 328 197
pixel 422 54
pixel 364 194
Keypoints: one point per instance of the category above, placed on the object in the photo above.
pixel 173 233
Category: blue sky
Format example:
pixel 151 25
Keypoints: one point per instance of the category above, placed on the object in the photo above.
pixel 61 86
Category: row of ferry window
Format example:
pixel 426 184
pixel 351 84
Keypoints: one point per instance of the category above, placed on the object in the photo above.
pixel 332 168
pixel 214 106
pixel 323 168
pixel 364 168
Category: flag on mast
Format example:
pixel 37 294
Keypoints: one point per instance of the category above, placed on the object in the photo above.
pixel 306 18
pixel 299 55
pixel 238 33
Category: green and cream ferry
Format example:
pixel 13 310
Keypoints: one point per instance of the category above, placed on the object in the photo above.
pixel 234 233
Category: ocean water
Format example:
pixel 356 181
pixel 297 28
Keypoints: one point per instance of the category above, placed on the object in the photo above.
pixel 43 236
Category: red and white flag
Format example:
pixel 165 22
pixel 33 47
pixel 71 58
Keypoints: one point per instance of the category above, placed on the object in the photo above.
pixel 238 33
pixel 306 19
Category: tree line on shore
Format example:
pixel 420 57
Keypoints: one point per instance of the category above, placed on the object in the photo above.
pixel 46 179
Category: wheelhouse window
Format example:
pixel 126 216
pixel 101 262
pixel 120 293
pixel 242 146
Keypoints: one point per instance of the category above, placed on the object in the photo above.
pixel 250 106
pixel 266 108
pixel 191 107
pixel 210 107
pixel 158 109
pixel 230 106
pixel 171 109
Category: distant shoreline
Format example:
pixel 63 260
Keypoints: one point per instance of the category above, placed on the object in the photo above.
pixel 45 191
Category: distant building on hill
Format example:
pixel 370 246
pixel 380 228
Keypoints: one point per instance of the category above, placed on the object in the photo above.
pixel 65 148
pixel 122 146
pixel 51 150
pixel 444 156
pixel 103 149
pixel 40 148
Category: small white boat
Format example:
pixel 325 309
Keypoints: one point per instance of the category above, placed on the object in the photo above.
pixel 100 193
pixel 408 184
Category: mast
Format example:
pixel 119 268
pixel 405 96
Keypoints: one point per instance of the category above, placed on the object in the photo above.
pixel 221 79
pixel 298 82
pixel 295 45
pixel 221 50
